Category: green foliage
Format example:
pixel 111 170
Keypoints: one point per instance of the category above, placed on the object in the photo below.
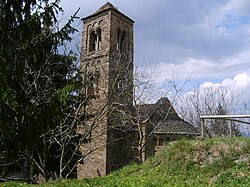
pixel 35 79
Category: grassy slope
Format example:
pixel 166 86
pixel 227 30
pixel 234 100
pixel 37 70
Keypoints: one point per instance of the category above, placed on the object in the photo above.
pixel 214 162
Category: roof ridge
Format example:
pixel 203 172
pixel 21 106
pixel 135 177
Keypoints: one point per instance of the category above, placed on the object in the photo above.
pixel 106 6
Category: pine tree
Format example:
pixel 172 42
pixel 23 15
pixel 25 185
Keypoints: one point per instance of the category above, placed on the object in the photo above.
pixel 36 77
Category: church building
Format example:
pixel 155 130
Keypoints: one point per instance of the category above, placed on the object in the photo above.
pixel 107 51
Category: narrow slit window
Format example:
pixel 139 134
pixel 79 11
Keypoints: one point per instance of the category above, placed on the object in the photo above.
pixel 123 44
pixel 90 85
pixel 118 42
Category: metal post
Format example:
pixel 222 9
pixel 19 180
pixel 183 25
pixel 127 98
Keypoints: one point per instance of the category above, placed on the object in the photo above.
pixel 231 129
pixel 202 128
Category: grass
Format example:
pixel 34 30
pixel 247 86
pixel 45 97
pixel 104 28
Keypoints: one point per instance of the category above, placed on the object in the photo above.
pixel 213 162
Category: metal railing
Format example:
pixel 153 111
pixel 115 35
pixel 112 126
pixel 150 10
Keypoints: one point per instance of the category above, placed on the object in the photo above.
pixel 231 118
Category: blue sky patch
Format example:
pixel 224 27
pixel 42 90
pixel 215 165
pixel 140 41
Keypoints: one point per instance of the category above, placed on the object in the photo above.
pixel 231 21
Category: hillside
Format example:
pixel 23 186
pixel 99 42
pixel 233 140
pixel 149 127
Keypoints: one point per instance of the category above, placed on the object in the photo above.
pixel 213 162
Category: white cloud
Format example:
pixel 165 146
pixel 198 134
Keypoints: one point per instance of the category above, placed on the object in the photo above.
pixel 239 81
pixel 219 13
pixel 206 40
pixel 191 67
pixel 200 69
pixel 243 80
pixel 237 7
pixel 171 32
pixel 210 84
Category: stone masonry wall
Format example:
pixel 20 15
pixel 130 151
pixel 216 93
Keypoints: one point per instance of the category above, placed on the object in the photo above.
pixel 107 145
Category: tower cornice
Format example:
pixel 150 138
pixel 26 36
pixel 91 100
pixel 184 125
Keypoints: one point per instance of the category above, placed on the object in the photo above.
pixel 108 7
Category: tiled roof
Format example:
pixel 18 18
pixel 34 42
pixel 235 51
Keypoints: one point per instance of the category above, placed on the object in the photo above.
pixel 176 127
pixel 163 116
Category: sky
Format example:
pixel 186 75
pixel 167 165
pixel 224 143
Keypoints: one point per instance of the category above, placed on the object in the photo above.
pixel 205 41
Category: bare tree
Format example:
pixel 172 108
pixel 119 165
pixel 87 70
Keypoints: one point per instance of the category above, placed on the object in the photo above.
pixel 148 117
pixel 209 101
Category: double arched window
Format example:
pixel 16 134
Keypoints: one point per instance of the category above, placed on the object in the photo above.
pixel 95 40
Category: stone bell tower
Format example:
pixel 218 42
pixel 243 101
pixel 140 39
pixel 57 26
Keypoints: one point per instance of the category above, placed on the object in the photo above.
pixel 107 63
